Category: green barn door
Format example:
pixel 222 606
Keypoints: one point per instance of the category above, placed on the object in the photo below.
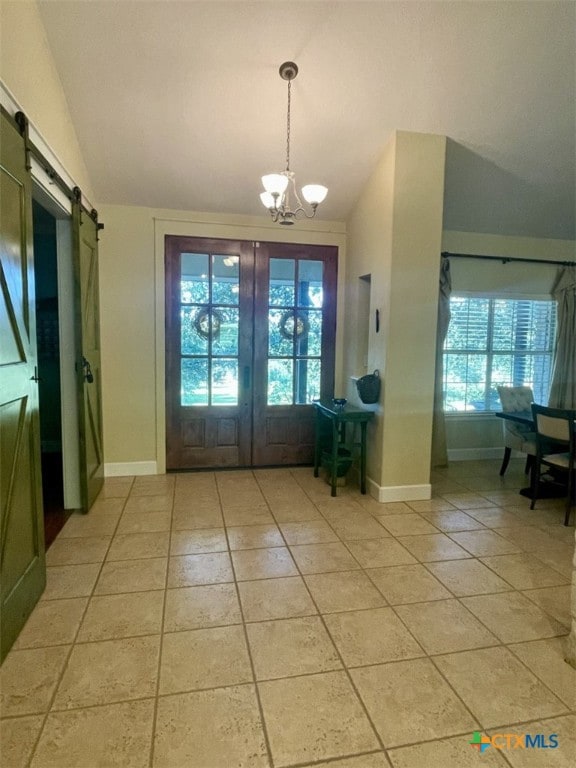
pixel 87 306
pixel 22 557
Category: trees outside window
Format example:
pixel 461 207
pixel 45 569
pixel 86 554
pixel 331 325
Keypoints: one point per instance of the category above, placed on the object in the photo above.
pixel 493 342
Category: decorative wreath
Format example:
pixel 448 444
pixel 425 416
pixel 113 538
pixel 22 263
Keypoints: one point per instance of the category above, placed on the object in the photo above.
pixel 207 320
pixel 294 324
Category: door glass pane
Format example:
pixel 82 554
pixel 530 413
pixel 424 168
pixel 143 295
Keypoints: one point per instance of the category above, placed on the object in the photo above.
pixel 209 326
pixel 309 283
pixel 281 291
pixel 225 279
pixel 280 378
pixel 224 382
pixel 194 381
pixel 294 330
pixel 224 331
pixel 194 285
pixel 280 332
pixel 309 333
pixel 193 339
pixel 307 380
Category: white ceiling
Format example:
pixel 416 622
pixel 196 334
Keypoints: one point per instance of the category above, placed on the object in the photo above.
pixel 180 105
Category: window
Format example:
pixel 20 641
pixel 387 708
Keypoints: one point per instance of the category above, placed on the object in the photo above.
pixel 493 342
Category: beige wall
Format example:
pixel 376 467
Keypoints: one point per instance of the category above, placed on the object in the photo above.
pixel 394 234
pixel 370 254
pixel 127 328
pixel 28 72
pixel 479 436
pixel 132 316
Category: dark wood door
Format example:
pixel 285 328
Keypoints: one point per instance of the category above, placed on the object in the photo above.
pixel 294 335
pixel 22 558
pixel 85 239
pixel 250 331
pixel 209 309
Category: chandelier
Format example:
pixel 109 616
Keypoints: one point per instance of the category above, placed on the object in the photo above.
pixel 281 197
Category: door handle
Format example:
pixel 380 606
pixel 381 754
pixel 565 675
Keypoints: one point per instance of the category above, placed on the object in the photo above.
pixel 35 378
pixel 246 377
pixel 88 375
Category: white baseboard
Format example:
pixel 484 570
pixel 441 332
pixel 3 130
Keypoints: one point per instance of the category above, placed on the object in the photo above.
pixel 390 493
pixel 126 468
pixel 476 454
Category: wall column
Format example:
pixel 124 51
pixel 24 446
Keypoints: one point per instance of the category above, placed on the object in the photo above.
pixel 395 236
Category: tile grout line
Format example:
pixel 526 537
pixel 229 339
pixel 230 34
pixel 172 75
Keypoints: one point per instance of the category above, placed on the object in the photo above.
pixel 501 644
pixel 344 667
pixel 302 577
pixel 161 642
pixel 431 656
pixel 254 684
pixel 534 673
pixel 71 650
pixel 335 760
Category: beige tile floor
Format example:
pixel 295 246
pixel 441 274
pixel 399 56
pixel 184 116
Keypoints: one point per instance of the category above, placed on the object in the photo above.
pixel 247 619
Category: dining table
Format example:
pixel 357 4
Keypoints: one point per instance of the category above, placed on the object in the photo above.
pixel 520 417
pixel 553 489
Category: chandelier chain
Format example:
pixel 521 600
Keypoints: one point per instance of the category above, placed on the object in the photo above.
pixel 288 129
pixel 280 195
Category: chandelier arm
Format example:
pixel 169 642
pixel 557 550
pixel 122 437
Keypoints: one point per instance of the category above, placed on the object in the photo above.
pixel 313 206
pixel 300 209
pixel 285 214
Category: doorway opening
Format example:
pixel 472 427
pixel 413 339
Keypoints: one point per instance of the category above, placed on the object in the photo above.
pixel 49 388
pixel 250 345
pixel 55 339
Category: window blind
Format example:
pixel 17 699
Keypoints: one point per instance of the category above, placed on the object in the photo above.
pixel 493 342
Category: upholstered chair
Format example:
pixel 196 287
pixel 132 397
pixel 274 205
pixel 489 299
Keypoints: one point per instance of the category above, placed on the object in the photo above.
pixel 517 437
pixel 556 449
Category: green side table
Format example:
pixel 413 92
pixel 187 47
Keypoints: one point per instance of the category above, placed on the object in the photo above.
pixel 331 441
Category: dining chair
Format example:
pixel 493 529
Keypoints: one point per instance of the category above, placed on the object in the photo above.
pixel 517 437
pixel 555 431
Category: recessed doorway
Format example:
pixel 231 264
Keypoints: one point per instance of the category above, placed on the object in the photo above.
pixel 48 370
pixel 56 375
pixel 250 336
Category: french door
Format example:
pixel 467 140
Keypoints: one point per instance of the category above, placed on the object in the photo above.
pixel 250 330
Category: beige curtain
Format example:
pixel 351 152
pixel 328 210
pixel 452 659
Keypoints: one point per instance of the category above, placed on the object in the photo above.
pixel 563 387
pixel 439 450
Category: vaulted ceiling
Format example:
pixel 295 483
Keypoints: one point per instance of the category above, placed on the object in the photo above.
pixel 180 105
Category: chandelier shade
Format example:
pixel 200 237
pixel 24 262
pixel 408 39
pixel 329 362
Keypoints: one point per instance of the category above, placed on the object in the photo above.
pixel 275 183
pixel 314 193
pixel 281 196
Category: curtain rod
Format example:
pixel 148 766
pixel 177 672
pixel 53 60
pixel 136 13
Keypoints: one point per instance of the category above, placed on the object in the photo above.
pixel 506 259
